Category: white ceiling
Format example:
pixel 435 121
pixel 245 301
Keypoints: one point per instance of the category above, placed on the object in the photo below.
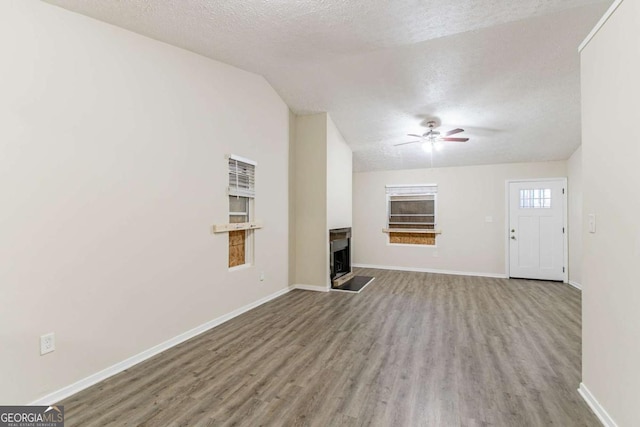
pixel 506 71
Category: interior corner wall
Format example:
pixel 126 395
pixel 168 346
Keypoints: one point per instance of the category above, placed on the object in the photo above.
pixel 466 197
pixel 112 173
pixel 312 254
pixel 610 70
pixel 292 198
pixel 339 179
pixel 323 195
pixel 574 179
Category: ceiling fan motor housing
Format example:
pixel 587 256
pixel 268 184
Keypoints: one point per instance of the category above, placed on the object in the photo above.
pixel 432 136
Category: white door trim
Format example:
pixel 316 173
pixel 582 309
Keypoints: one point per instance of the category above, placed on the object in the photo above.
pixel 565 222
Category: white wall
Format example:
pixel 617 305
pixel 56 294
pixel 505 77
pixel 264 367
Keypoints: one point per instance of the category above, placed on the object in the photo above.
pixel 574 175
pixel 111 175
pixel 611 175
pixel 312 254
pixel 466 196
pixel 339 179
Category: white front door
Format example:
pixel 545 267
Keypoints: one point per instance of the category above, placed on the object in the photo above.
pixel 536 229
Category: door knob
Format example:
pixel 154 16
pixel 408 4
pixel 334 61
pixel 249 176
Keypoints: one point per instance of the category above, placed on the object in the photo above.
pixel 513 230
pixel 513 237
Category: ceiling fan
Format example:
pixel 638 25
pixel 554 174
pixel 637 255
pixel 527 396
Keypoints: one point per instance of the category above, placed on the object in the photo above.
pixel 432 137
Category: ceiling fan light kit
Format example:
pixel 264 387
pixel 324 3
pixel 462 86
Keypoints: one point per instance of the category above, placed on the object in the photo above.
pixel 432 139
pixel 430 146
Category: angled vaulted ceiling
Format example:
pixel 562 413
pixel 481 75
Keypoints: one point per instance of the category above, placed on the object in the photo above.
pixel 506 71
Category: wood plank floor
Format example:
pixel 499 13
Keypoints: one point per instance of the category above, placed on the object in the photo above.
pixel 412 349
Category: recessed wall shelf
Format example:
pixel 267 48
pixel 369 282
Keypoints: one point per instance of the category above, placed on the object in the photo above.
pixel 225 228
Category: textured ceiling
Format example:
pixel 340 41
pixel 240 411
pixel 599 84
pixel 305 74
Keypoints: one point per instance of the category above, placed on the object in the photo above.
pixel 506 71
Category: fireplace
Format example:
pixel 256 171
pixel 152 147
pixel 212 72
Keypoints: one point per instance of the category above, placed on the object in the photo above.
pixel 339 253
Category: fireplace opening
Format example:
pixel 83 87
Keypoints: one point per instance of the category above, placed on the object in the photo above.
pixel 340 252
pixel 342 279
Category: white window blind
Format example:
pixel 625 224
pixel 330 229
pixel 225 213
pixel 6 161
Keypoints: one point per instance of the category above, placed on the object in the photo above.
pixel 242 177
pixel 411 206
pixel 401 190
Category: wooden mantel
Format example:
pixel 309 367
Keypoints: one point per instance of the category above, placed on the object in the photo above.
pixel 225 228
pixel 410 230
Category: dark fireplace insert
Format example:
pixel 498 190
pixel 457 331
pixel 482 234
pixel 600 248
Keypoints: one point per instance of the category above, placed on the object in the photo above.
pixel 340 252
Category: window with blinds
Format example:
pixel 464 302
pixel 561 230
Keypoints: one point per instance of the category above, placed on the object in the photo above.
pixel 242 177
pixel 411 208
pixel 241 197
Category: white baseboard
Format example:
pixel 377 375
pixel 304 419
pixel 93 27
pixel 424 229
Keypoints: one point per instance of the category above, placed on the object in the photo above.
pixel 84 383
pixel 310 288
pixel 597 409
pixel 432 270
pixel 575 284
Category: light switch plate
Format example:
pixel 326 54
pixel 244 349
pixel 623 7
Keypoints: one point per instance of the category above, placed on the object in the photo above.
pixel 591 220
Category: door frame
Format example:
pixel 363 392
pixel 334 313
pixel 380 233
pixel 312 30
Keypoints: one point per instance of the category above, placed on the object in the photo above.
pixel 565 220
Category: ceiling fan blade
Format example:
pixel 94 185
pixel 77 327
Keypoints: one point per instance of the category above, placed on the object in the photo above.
pixel 405 143
pixel 453 132
pixel 454 139
pixel 414 135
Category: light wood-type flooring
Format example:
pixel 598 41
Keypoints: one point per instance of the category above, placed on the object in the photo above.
pixel 412 349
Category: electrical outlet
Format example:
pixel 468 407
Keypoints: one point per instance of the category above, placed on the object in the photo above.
pixel 47 343
pixel 262 276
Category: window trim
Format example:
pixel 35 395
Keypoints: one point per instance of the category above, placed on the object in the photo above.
pixel 430 190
